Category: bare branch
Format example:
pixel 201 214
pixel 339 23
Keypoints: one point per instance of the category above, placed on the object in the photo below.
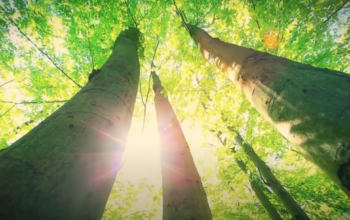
pixel 335 12
pixel 248 189
pixel 325 21
pixel 179 12
pixel 7 82
pixel 46 55
pixel 7 110
pixel 128 9
pixel 143 102
pixel 92 57
pixel 25 123
pixel 145 15
pixel 254 4
pixel 199 21
pixel 171 55
pixel 149 87
pixel 291 187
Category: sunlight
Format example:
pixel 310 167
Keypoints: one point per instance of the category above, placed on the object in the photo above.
pixel 141 158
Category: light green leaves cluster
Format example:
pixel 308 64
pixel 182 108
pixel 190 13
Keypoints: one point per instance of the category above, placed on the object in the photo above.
pixel 78 36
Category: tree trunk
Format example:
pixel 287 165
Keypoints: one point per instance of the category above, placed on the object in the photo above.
pixel 65 167
pixel 183 193
pixel 287 200
pixel 308 105
pixel 264 200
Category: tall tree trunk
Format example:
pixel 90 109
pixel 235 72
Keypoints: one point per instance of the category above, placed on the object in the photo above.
pixel 308 105
pixel 287 200
pixel 264 200
pixel 65 167
pixel 183 193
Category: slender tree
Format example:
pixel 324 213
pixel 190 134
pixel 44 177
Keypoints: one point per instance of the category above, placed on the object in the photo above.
pixel 259 192
pixel 183 193
pixel 287 200
pixel 65 167
pixel 292 206
pixel 308 105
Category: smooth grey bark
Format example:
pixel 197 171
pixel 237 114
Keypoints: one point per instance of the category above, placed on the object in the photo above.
pixel 65 167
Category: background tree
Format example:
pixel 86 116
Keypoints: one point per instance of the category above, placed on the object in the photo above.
pixel 287 200
pixel 258 190
pixel 183 193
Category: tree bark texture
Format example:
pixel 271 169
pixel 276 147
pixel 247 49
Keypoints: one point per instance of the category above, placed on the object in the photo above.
pixel 65 167
pixel 183 193
pixel 309 106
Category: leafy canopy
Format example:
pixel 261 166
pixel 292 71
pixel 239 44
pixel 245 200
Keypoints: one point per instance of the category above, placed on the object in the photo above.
pixel 48 49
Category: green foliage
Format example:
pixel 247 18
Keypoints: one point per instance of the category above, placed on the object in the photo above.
pixel 78 36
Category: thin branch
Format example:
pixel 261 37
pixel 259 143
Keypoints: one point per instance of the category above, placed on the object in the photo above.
pixel 31 102
pixel 248 189
pixel 128 9
pixel 42 70
pixel 210 145
pixel 199 21
pixel 179 12
pixel 149 87
pixel 324 22
pixel 333 54
pixel 7 110
pixel 88 36
pixel 168 58
pixel 7 82
pixel 299 154
pixel 257 22
pixel 291 187
pixel 143 102
pixel 25 123
pixel 145 15
pixel 335 12
pixel 47 56
pixel 254 4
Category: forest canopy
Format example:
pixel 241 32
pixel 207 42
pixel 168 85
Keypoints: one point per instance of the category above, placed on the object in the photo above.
pixel 49 48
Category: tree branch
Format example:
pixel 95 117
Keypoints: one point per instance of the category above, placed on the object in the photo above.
pixel 149 87
pixel 92 58
pixel 25 123
pixel 199 21
pixel 128 9
pixel 179 12
pixel 254 4
pixel 7 110
pixel 46 55
pixel 335 12
pixel 7 82
pixel 291 187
